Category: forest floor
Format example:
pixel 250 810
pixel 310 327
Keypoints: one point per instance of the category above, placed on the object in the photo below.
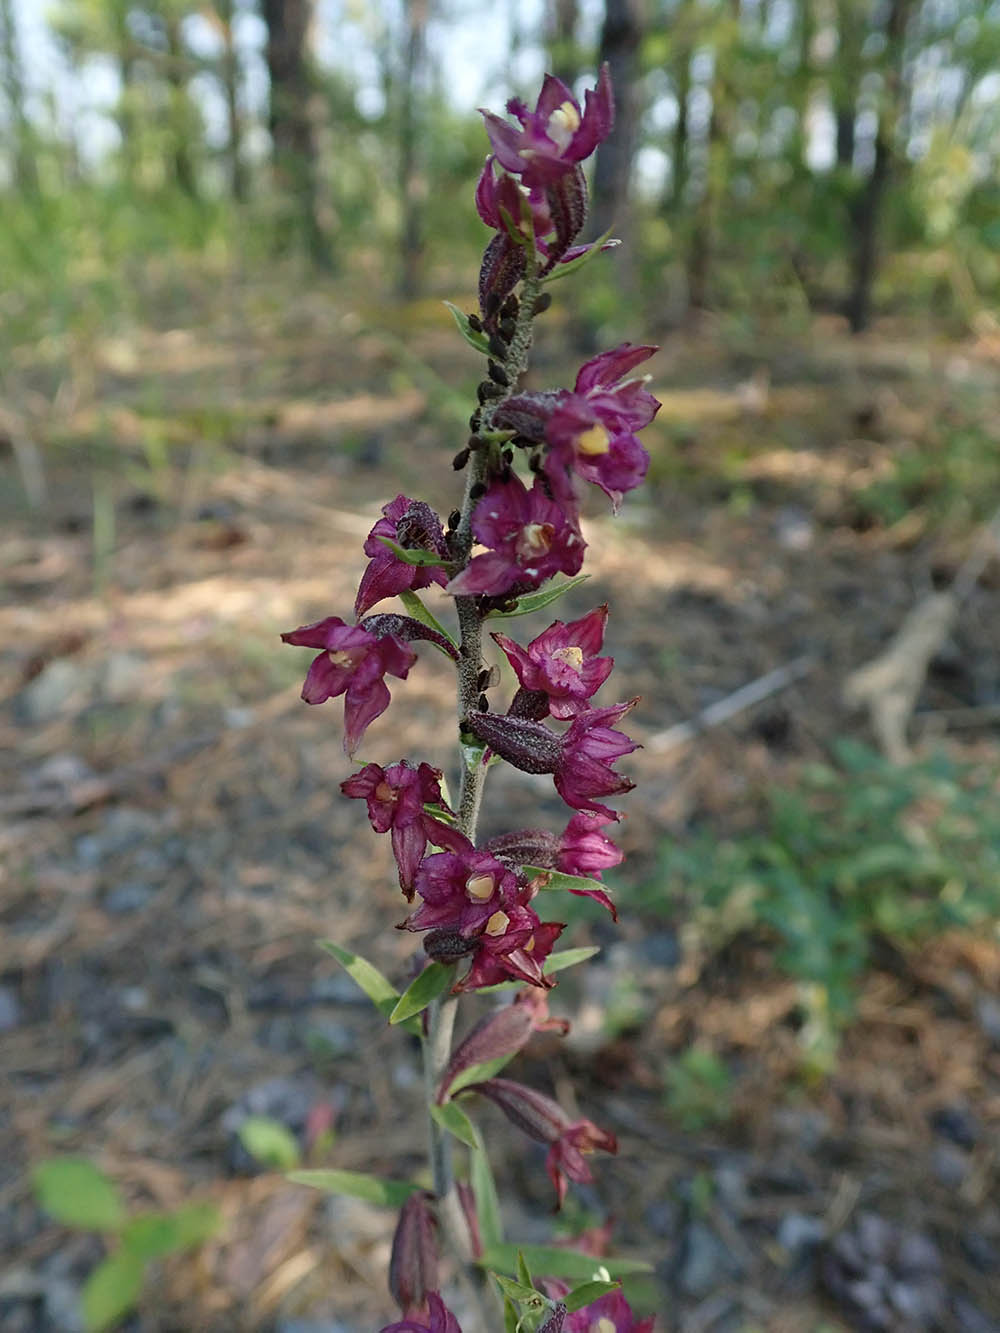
pixel 174 842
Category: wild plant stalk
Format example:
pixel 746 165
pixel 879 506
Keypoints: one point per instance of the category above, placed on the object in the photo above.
pixel 476 914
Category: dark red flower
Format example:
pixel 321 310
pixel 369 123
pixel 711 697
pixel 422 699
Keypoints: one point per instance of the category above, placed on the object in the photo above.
pixel 579 760
pixel 562 663
pixel 610 1314
pixel 556 135
pixel 584 849
pixel 513 947
pixel 462 891
pixel 530 538
pixel 409 523
pixel 351 662
pixel 439 1319
pixel 542 1119
pixel 396 798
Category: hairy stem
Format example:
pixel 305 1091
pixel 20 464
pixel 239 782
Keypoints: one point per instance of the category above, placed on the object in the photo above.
pixel 442 1012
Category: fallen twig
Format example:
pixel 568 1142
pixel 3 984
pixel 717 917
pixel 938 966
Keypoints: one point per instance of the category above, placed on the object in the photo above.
pixel 754 692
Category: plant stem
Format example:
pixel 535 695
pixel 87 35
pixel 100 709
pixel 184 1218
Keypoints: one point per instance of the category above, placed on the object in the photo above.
pixel 441 1012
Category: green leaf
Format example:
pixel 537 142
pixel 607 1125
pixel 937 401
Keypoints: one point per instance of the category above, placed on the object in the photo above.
pixel 477 340
pixel 73 1191
pixel 517 1291
pixel 112 1290
pixel 451 1117
pixel 414 557
pixel 378 988
pixel 270 1142
pixel 554 1261
pixel 524 1272
pixel 555 879
pixel 416 609
pixel 487 1201
pixel 479 1073
pixel 154 1235
pixel 587 1294
pixel 534 601
pixel 510 1319
pixel 388 1193
pixel 435 978
pixel 574 265
pixel 556 962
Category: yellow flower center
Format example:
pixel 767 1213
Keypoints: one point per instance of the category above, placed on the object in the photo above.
pixel 603 1325
pixel 535 540
pixel 593 442
pixel 340 658
pixel 497 923
pixel 480 887
pixel 571 656
pixel 563 124
pixel 383 792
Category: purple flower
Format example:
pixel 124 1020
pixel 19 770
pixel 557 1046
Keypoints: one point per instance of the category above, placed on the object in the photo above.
pixel 409 523
pixel 589 748
pixel 591 431
pixel 579 760
pixel 544 1120
pixel 530 538
pixel 561 662
pixel 462 891
pixel 351 662
pixel 513 947
pixel 498 195
pixel 556 135
pixel 396 798
pixel 610 1314
pixel 584 849
pixel 441 1319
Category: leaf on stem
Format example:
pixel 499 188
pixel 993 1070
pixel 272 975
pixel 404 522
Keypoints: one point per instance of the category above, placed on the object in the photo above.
pixel 585 1295
pixel 416 609
pixel 413 556
pixel 554 1261
pixel 555 879
pixel 358 1185
pixel 477 340
pixel 368 978
pixel 432 982
pixel 487 1200
pixel 605 242
pixel 451 1117
pixel 534 601
pixel 155 1235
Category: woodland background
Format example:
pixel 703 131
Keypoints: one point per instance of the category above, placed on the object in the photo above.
pixel 226 231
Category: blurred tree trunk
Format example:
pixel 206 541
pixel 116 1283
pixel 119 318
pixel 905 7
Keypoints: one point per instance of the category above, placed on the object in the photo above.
pixel 295 157
pixel 866 211
pixel 621 36
pixel 230 72
pixel 679 154
pixel 564 50
pixel 12 82
pixel 846 77
pixel 180 107
pixel 716 165
pixel 412 182
pixel 803 83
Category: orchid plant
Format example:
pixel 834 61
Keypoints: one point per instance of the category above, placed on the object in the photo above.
pixel 513 546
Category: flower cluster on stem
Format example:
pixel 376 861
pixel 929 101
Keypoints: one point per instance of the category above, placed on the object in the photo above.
pixel 529 460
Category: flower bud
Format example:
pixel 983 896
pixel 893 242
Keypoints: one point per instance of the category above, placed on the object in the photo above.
pixel 528 745
pixel 448 946
pixel 407 629
pixel 413 1265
